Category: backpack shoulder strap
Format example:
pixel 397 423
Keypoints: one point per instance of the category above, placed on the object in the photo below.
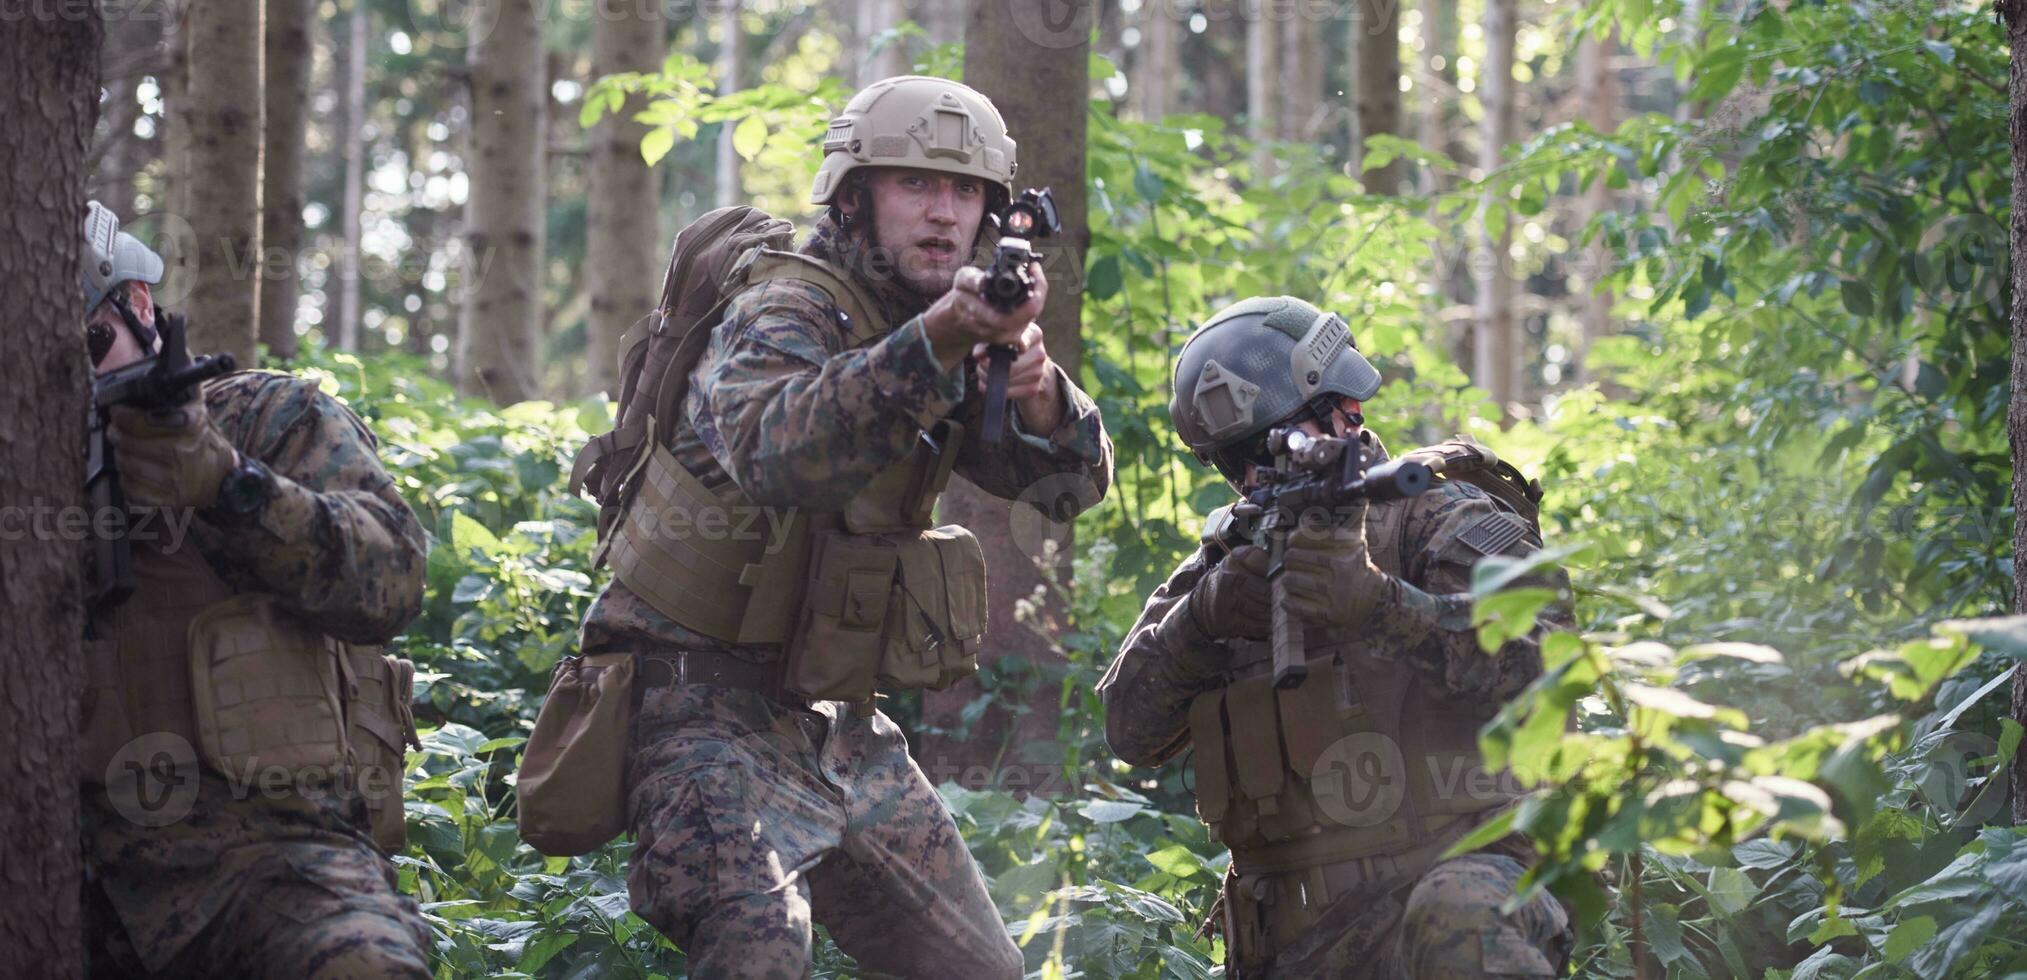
pixel 863 323
pixel 1471 461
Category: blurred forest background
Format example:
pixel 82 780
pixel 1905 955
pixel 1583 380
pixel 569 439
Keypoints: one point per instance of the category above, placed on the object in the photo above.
pixel 1730 276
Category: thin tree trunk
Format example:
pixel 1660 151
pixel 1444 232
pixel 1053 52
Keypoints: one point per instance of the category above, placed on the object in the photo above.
pixel 731 78
pixel 1263 103
pixel 1438 85
pixel 876 17
pixel 1599 97
pixel 1301 64
pixel 1154 69
pixel 281 223
pixel 1493 349
pixel 347 320
pixel 622 247
pixel 49 89
pixel 2013 14
pixel 1379 85
pixel 941 20
pixel 499 341
pixel 226 108
pixel 133 48
pixel 1033 61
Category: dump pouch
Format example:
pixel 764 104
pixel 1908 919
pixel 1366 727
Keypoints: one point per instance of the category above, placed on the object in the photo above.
pixel 380 725
pixel 266 691
pixel 572 784
pixel 835 651
pixel 938 614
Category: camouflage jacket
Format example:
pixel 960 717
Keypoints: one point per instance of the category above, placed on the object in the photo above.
pixel 780 407
pixel 1167 659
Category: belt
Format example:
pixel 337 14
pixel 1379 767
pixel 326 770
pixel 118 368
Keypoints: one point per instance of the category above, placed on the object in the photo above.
pixel 668 668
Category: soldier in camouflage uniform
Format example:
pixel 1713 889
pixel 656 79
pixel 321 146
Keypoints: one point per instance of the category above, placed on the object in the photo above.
pixel 1339 795
pixel 195 866
pixel 756 809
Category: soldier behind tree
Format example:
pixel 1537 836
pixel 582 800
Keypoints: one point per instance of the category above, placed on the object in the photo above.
pixel 242 737
pixel 824 393
pixel 1336 796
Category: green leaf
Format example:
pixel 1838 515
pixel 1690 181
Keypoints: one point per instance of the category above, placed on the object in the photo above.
pixel 1764 853
pixel 467 533
pixel 750 136
pixel 1857 297
pixel 1176 860
pixel 1148 185
pixel 1110 811
pixel 1103 279
pixel 1909 936
pixel 1486 833
pixel 1718 74
pixel 1731 891
pixel 2003 635
pixel 657 144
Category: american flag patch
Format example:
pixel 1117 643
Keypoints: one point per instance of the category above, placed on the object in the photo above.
pixel 1493 534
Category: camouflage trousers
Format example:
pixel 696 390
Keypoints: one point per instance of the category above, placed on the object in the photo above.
pixel 241 887
pixel 1444 925
pixel 752 819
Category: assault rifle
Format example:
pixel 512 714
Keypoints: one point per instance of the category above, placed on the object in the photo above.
pixel 1311 475
pixel 1008 284
pixel 155 382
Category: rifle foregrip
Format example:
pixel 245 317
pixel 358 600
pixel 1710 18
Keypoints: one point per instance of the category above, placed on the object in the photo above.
pixel 999 360
pixel 1291 658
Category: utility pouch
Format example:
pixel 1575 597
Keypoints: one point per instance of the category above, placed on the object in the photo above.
pixel 937 616
pixel 266 691
pixel 380 724
pixel 572 784
pixel 834 654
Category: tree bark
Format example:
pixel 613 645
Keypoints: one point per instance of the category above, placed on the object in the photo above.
pixel 1263 104
pixel 346 322
pixel 1493 348
pixel 499 342
pixel 1438 85
pixel 1154 68
pixel 623 247
pixel 1301 63
pixel 876 17
pixel 731 78
pixel 224 79
pixel 1598 95
pixel 133 48
pixel 281 195
pixel 2013 14
pixel 1033 61
pixel 49 87
pixel 1379 85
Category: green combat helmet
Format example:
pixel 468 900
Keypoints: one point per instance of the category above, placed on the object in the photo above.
pixel 916 121
pixel 1254 364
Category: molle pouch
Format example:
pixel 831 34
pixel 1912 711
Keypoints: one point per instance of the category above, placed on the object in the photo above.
pixel 938 613
pixel 267 692
pixel 380 724
pixel 1208 763
pixel 1275 800
pixel 834 655
pixel 572 783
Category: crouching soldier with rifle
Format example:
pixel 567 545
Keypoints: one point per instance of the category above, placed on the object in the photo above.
pixel 243 738
pixel 1317 658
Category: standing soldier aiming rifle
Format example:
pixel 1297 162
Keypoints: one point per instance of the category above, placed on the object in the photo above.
pixel 1329 685
pixel 786 422
pixel 243 737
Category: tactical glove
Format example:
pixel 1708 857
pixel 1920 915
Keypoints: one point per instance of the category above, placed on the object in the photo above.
pixel 1331 578
pixel 170 457
pixel 1231 600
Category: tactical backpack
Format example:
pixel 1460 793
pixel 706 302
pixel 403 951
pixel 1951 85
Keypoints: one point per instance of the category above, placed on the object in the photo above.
pixel 1470 461
pixel 658 353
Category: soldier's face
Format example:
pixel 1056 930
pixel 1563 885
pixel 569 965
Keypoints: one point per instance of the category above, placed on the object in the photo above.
pixel 125 348
pixel 1341 426
pixel 926 221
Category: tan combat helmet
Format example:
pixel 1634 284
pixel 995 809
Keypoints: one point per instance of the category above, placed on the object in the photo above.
pixel 916 121
pixel 1254 364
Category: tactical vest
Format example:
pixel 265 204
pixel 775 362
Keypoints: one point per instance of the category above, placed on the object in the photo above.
pixel 235 683
pixel 1358 761
pixel 872 596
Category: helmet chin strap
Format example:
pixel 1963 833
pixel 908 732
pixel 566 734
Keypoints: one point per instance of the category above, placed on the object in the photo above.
pixel 144 334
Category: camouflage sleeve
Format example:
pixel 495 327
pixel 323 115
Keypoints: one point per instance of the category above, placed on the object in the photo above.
pixel 797 421
pixel 1458 526
pixel 1166 661
pixel 1078 446
pixel 336 543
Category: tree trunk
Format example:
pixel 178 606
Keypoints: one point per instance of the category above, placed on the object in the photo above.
pixel 2013 14
pixel 346 323
pixel 281 194
pixel 1438 85
pixel 175 139
pixel 224 79
pixel 876 17
pixel 941 20
pixel 1301 63
pixel 499 341
pixel 1033 62
pixel 1218 57
pixel 49 86
pixel 1154 68
pixel 132 49
pixel 1263 121
pixel 1493 348
pixel 623 247
pixel 731 78
pixel 1379 86
pixel 1599 97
